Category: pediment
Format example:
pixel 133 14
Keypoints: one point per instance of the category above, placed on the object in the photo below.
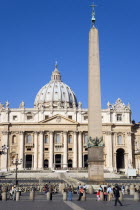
pixel 58 119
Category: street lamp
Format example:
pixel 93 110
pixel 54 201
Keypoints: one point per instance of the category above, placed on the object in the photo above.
pixel 16 162
pixel 3 149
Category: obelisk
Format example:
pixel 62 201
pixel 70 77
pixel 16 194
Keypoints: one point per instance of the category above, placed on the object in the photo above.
pixel 95 153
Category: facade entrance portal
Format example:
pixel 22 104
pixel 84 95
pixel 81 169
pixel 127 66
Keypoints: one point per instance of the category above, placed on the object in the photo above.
pixel 58 161
pixel 120 159
pixel 28 161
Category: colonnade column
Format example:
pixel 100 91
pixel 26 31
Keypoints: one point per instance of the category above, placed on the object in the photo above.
pixel 21 151
pixel 80 149
pixel 51 151
pixel 35 150
pixel 41 152
pixel 65 156
pixel 4 157
pixel 75 151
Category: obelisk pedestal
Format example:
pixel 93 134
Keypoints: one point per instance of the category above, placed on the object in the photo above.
pixel 96 165
pixel 95 153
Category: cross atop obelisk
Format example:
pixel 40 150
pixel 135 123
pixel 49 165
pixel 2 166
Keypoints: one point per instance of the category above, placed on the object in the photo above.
pixel 93 19
pixel 95 153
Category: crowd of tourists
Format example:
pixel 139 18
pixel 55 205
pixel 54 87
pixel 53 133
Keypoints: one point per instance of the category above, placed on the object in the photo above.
pixel 109 193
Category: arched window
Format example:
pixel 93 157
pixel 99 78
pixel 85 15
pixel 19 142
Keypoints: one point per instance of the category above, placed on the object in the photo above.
pixel 119 139
pixel 46 139
pixel 14 139
pixel 58 138
pixel 85 138
pixel 29 139
pixel 69 139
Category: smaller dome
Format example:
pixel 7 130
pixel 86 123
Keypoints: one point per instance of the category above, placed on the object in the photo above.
pixel 56 94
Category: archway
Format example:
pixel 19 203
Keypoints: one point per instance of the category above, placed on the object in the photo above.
pixel 29 161
pixel 46 163
pixel 69 163
pixel 85 161
pixel 120 159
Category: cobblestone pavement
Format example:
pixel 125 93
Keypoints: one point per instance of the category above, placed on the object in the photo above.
pixel 41 203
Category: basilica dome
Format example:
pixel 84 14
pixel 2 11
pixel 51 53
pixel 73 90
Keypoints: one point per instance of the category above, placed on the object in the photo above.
pixel 55 94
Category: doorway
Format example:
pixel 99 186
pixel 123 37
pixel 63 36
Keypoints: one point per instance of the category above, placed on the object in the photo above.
pixel 28 161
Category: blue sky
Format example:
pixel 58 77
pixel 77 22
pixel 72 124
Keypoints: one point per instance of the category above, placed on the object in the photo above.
pixel 36 33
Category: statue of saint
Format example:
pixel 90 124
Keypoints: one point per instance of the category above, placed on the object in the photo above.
pixel 7 104
pixel 22 105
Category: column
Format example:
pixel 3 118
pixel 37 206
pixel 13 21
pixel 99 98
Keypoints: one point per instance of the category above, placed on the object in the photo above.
pixel 65 155
pixel 75 151
pixel 35 150
pixel 21 149
pixel 109 148
pixel 114 163
pixel 41 152
pixel 129 148
pixel 80 148
pixel 126 162
pixel 4 157
pixel 51 151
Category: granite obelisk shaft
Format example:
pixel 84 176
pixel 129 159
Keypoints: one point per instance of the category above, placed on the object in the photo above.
pixel 95 154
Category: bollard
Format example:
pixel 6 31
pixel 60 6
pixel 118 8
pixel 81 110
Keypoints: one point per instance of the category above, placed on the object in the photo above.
pixel 90 190
pixel 17 196
pixel 101 196
pixel 32 195
pixel 84 196
pixel 48 196
pixel 137 187
pixel 121 196
pixel 4 196
pixel 64 196
pixel 136 196
pixel 132 189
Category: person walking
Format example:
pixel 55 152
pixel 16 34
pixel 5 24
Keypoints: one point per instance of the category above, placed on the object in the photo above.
pixel 80 193
pixel 50 190
pixel 70 193
pixel 105 194
pixel 117 195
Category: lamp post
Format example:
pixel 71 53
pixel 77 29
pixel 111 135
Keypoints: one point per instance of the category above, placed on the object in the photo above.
pixel 3 150
pixel 16 162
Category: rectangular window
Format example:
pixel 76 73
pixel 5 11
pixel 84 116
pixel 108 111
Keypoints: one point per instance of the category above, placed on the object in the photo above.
pixel 85 139
pixel 46 139
pixel 58 138
pixel 119 138
pixel 29 149
pixel 85 117
pixel 119 117
pixel 46 117
pixel 29 139
pixel 29 117
pixel 70 117
pixel 70 149
pixel 15 117
pixel 69 139
pixel 46 149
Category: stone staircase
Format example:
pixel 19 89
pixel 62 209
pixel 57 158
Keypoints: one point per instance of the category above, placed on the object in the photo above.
pixel 70 180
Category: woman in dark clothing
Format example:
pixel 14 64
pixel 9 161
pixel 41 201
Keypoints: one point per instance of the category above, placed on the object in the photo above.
pixel 117 195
